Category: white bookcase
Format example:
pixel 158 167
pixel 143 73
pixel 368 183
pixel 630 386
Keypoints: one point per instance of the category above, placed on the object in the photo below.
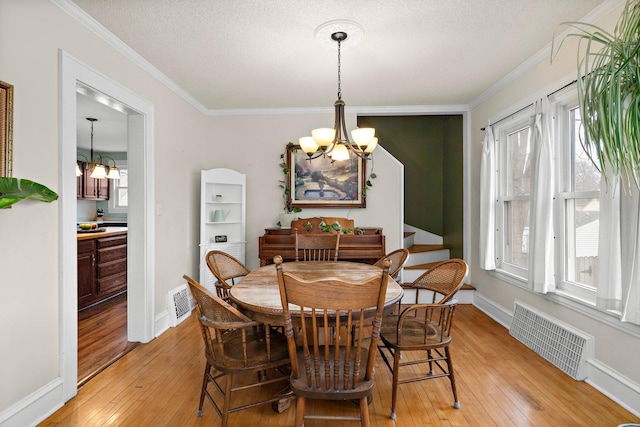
pixel 222 217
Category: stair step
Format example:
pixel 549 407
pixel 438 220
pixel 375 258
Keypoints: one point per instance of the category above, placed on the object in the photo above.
pixel 426 248
pixel 425 266
pixel 465 287
pixel 409 233
pixel 463 296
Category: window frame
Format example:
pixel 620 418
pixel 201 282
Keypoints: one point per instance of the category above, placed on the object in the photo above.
pixel 517 122
pixel 562 104
pixel 114 207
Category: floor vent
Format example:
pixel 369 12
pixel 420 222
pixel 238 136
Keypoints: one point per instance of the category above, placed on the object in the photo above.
pixel 180 304
pixel 564 346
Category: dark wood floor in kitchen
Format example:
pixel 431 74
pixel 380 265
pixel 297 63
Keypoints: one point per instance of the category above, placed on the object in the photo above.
pixel 102 337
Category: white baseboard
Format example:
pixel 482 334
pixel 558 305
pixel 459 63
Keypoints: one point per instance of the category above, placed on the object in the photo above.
pixel 34 408
pixel 612 384
pixel 616 387
pixel 493 309
pixel 162 323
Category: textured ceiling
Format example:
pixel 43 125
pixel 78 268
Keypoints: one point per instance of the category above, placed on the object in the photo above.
pixel 231 54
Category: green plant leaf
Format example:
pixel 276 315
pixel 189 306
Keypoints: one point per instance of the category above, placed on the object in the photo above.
pixel 12 190
pixel 608 84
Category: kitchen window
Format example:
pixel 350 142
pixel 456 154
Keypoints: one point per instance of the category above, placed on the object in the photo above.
pixel 119 200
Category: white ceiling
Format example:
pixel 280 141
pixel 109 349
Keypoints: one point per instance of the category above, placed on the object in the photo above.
pixel 230 54
pixel 109 132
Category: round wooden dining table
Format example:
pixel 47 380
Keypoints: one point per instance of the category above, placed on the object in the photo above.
pixel 259 293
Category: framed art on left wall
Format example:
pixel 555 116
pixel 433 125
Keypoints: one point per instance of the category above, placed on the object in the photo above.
pixel 6 128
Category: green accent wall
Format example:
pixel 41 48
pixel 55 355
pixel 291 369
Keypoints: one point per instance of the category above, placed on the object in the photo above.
pixel 430 148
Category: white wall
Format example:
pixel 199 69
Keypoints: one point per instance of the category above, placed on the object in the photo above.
pixel 265 138
pixel 615 350
pixel 185 142
pixel 30 35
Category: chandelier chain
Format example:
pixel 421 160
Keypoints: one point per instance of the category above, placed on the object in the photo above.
pixel 339 88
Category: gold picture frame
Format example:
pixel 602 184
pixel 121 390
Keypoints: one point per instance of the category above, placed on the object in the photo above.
pixel 6 129
pixel 321 183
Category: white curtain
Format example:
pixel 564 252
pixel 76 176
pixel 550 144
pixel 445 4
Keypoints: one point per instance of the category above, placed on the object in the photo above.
pixel 541 243
pixel 618 287
pixel 487 202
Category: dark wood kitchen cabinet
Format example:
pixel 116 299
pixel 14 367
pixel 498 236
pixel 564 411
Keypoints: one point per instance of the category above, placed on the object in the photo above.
pixel 86 272
pixel 88 188
pixel 102 268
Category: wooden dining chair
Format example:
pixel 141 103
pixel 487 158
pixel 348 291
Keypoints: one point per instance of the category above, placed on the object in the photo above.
pixel 317 247
pixel 235 345
pixel 398 259
pixel 428 332
pixel 226 269
pixel 327 365
pixel 441 281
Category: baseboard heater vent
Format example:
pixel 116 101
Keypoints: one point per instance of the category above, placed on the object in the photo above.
pixel 561 344
pixel 180 304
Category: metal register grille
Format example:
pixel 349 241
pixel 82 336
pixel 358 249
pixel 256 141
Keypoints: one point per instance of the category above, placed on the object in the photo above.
pixel 564 346
pixel 180 304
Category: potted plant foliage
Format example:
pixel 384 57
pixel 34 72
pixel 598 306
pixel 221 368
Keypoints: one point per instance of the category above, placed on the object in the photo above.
pixel 12 190
pixel 289 213
pixel 609 93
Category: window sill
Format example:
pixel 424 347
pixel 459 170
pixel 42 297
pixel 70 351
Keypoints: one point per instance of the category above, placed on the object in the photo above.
pixel 509 278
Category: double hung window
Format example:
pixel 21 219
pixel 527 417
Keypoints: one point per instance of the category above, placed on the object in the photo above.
pixel 513 194
pixel 578 216
pixel 576 200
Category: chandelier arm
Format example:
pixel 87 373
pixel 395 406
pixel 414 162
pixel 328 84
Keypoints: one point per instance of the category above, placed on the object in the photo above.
pixel 319 153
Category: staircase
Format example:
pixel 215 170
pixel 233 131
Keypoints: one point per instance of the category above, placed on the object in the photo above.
pixel 423 256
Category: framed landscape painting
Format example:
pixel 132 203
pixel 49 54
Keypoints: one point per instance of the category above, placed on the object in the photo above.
pixel 6 128
pixel 321 183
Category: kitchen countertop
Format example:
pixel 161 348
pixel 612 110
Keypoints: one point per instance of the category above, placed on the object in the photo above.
pixel 109 231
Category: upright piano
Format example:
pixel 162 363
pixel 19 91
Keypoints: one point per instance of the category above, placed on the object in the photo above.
pixel 356 244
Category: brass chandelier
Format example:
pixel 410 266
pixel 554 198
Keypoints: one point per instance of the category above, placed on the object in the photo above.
pixel 96 165
pixel 334 142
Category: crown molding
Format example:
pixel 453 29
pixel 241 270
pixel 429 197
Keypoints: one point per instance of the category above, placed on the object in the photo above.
pixel 596 14
pixel 85 19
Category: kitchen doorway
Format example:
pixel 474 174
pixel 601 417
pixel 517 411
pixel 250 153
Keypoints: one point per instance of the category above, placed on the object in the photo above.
pixel 140 266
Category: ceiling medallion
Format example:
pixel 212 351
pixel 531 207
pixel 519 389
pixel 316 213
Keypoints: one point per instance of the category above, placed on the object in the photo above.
pixel 323 33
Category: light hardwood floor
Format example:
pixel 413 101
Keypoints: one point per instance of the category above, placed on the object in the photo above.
pixel 500 383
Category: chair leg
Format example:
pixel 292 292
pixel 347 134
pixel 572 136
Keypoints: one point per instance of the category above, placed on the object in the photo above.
pixel 430 362
pixel 299 412
pixel 394 387
pixel 205 382
pixel 227 399
pixel 364 411
pixel 456 402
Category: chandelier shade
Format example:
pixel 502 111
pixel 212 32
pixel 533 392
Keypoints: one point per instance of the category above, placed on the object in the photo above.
pixel 334 142
pixel 99 172
pixel 96 163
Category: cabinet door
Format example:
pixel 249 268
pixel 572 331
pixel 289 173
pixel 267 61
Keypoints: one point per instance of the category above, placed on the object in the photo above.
pixel 79 187
pixel 103 189
pixel 91 188
pixel 86 273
